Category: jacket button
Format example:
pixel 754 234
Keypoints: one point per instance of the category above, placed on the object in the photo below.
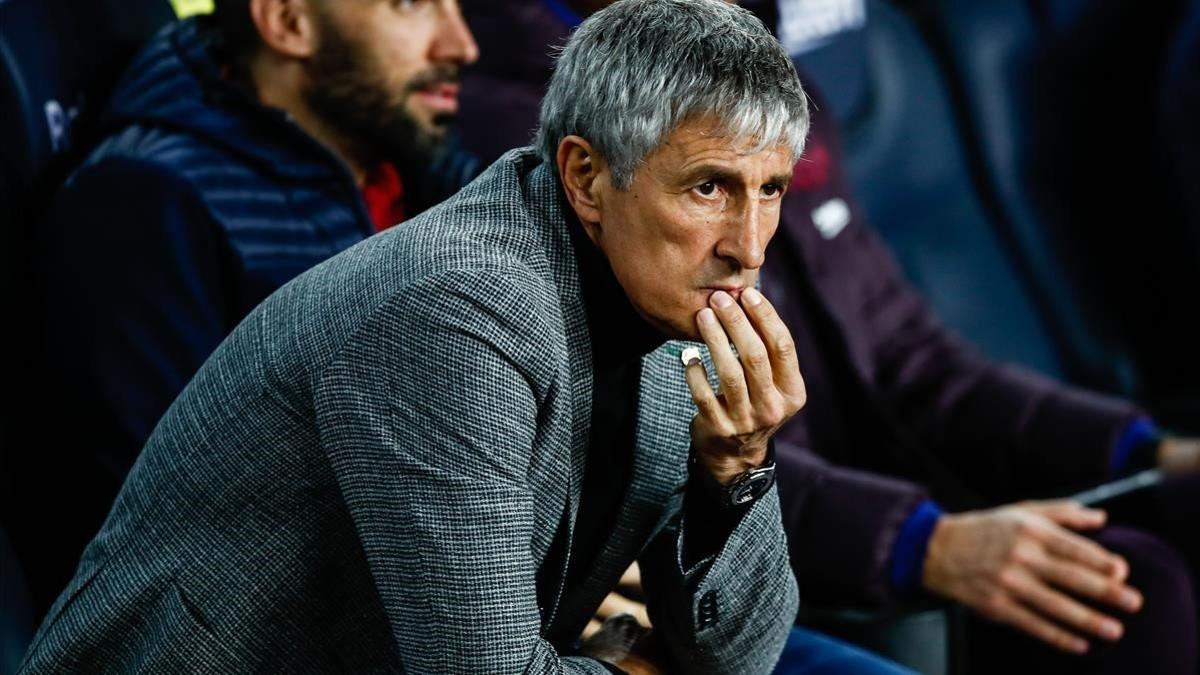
pixel 707 610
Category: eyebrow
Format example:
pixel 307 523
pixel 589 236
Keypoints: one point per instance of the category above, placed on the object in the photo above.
pixel 781 179
pixel 722 175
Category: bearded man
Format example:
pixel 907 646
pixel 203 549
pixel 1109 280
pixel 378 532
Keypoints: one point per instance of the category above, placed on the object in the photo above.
pixel 242 149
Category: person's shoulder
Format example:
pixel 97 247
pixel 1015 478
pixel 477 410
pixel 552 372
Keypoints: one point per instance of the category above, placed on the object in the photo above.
pixel 134 190
pixel 169 175
pixel 497 216
pixel 435 260
pixel 155 150
pixel 432 275
pixel 484 255
pixel 373 303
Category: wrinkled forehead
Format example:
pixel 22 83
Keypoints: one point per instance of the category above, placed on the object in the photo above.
pixel 710 141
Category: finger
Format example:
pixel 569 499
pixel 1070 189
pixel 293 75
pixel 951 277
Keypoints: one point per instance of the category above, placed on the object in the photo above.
pixel 1086 583
pixel 779 343
pixel 593 626
pixel 1026 620
pixel 1072 547
pixel 1179 455
pixel 702 393
pixel 632 578
pixel 729 370
pixel 1049 602
pixel 1070 514
pixel 752 353
pixel 616 604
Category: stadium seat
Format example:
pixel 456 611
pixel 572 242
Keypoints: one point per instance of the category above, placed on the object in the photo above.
pixel 1179 108
pixel 16 616
pixel 843 75
pixel 907 160
pixel 58 61
pixel 989 50
pixel 1057 101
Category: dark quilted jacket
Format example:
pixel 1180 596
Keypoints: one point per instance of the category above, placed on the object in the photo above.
pixel 198 204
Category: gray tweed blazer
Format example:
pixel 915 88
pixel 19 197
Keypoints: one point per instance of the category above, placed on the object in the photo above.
pixel 370 472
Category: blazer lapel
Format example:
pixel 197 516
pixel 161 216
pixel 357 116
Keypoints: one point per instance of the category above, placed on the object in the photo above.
pixel 663 436
pixel 546 201
pixel 657 479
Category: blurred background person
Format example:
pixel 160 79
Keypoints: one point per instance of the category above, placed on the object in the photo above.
pixel 911 434
pixel 242 148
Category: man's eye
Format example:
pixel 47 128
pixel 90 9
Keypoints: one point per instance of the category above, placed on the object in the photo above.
pixel 771 190
pixel 707 189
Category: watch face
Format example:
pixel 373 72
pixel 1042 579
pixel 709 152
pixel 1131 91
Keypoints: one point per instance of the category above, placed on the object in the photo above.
pixel 751 487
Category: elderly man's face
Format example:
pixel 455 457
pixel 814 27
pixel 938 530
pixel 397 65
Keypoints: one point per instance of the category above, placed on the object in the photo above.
pixel 697 219
pixel 386 72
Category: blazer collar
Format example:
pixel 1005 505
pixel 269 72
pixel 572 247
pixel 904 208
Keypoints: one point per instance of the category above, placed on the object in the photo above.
pixel 544 195
pixel 662 432
pixel 656 485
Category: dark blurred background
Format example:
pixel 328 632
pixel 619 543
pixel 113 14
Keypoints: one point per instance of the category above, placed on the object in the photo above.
pixel 1033 163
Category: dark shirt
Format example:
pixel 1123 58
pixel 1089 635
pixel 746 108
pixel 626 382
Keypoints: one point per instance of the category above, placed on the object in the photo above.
pixel 620 337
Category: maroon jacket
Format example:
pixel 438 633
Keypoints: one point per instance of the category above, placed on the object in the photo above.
pixel 899 408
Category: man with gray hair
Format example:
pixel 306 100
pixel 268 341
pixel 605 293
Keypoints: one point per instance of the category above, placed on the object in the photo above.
pixel 438 451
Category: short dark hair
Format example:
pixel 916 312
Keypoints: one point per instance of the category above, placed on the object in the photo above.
pixel 232 23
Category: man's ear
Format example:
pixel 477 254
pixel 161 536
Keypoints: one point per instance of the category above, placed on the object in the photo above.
pixel 287 27
pixel 580 169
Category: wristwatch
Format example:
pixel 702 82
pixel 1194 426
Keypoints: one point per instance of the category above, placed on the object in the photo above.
pixel 744 489
pixel 751 485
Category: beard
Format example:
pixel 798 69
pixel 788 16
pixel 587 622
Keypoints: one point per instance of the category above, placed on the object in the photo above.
pixel 350 93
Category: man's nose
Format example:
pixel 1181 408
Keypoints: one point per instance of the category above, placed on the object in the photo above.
pixel 455 42
pixel 744 241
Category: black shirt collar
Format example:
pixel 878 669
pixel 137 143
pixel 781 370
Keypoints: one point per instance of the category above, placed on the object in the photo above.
pixel 619 334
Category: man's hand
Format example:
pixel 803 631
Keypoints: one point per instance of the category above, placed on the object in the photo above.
pixel 618 602
pixel 621 627
pixel 1179 455
pixel 761 387
pixel 1019 565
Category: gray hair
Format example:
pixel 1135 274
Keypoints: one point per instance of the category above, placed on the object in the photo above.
pixel 638 69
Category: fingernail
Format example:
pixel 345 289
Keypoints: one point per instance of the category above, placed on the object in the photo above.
pixel 707 316
pixel 1110 630
pixel 1079 646
pixel 1131 600
pixel 722 299
pixel 752 297
pixel 1120 569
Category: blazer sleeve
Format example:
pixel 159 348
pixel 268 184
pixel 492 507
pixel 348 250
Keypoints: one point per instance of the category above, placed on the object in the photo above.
pixel 129 292
pixel 428 417
pixel 730 612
